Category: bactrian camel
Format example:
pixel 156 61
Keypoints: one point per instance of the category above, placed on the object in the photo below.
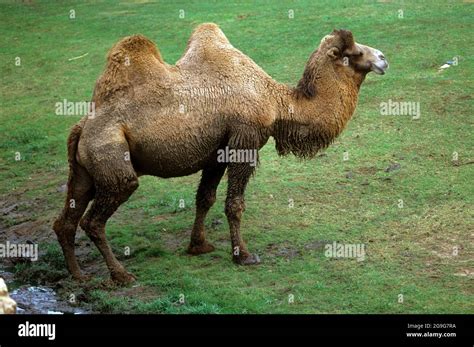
pixel 156 119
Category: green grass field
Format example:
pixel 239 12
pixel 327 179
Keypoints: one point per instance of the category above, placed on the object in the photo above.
pixel 423 250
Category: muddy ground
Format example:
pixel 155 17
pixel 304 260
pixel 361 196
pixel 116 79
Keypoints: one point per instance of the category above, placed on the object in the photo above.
pixel 42 286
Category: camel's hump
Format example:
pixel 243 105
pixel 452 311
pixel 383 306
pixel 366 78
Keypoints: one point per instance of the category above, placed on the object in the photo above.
pixel 135 61
pixel 209 32
pixel 130 62
pixel 208 46
pixel 135 47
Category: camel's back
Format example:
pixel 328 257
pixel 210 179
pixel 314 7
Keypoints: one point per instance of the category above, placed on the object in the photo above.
pixel 212 77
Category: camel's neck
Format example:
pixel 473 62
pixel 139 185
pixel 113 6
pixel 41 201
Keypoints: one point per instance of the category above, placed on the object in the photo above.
pixel 313 114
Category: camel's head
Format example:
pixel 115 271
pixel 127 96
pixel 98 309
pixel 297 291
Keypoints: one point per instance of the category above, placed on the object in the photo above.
pixel 351 57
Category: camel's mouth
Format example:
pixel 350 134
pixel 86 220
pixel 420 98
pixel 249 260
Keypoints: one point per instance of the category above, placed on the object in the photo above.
pixel 379 67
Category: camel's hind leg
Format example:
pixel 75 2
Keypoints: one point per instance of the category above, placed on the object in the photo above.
pixel 205 198
pixel 80 192
pixel 115 180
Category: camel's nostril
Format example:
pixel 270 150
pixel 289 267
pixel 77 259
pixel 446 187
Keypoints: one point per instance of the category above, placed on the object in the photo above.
pixel 381 56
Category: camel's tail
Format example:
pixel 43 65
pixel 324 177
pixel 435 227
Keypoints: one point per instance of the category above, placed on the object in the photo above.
pixel 79 185
pixel 72 143
pixel 79 180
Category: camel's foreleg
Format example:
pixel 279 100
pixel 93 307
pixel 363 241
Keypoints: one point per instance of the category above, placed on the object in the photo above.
pixel 239 175
pixel 205 198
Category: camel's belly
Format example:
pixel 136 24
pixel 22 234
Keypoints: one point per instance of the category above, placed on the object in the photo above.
pixel 178 144
pixel 164 166
pixel 165 159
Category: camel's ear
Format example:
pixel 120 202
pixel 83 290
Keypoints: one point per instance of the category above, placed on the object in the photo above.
pixel 346 36
pixel 348 44
pixel 333 53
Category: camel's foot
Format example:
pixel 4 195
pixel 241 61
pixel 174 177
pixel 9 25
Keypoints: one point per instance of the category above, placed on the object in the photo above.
pixel 122 277
pixel 202 248
pixel 246 259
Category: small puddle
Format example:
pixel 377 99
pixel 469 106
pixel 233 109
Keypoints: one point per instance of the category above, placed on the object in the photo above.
pixel 38 299
pixel 41 300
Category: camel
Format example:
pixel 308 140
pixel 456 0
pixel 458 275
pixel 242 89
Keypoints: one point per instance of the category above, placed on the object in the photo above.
pixel 152 118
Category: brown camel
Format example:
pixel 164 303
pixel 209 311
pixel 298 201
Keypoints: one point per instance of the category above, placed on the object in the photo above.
pixel 152 118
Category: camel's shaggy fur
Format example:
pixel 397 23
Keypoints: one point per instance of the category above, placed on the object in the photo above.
pixel 156 119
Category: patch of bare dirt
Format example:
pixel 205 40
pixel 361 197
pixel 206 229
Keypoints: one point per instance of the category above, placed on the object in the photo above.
pixel 367 170
pixel 441 236
pixel 317 245
pixel 175 241
pixel 282 250
pixel 138 292
pixel 14 211
pixel 28 232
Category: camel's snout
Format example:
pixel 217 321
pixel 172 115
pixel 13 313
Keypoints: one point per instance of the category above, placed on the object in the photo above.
pixel 379 64
pixel 371 59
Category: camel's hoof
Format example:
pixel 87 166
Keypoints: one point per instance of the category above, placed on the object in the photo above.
pixel 123 278
pixel 247 259
pixel 205 247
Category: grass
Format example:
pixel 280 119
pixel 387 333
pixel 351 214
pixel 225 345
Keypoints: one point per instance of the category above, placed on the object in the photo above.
pixel 409 249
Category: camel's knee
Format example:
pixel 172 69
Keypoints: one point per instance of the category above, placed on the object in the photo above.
pixel 58 224
pixel 65 231
pixel 94 229
pixel 234 208
pixel 206 200
pixel 117 189
pixel 63 226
